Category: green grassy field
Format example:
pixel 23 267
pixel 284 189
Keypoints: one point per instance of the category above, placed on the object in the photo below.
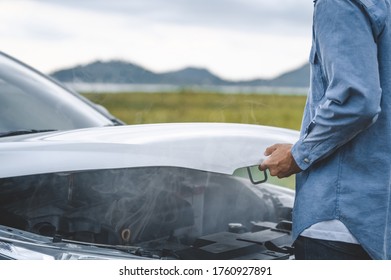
pixel 187 106
pixel 139 108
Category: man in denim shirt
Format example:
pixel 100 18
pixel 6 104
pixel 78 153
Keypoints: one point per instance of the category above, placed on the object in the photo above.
pixel 343 157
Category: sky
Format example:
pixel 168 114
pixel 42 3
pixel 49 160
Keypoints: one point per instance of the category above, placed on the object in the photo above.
pixel 234 39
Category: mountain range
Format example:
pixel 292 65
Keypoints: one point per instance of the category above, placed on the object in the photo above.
pixel 122 72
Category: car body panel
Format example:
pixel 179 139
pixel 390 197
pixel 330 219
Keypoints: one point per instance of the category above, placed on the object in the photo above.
pixel 216 147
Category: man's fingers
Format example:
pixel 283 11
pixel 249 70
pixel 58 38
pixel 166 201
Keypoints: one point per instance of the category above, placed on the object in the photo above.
pixel 263 166
pixel 270 150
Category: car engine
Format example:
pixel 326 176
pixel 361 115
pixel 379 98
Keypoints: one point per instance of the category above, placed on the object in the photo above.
pixel 158 212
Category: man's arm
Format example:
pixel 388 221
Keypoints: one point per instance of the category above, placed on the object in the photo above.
pixel 345 46
pixel 347 51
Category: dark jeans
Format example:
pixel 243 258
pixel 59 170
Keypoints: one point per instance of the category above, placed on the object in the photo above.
pixel 316 249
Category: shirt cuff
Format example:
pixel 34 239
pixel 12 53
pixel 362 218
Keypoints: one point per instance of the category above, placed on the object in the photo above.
pixel 301 155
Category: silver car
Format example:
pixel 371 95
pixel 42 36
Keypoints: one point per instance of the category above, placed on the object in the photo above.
pixel 77 183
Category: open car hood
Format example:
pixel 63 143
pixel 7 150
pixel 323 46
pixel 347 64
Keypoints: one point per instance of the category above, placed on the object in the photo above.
pixel 160 191
pixel 214 147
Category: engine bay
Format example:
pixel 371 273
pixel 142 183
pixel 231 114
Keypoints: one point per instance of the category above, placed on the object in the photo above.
pixel 164 212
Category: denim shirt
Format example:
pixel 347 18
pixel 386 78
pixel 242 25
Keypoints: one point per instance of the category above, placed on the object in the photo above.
pixel 344 148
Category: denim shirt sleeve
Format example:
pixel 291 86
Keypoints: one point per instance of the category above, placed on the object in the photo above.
pixel 345 96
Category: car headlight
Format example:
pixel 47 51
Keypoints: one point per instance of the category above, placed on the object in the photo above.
pixel 13 251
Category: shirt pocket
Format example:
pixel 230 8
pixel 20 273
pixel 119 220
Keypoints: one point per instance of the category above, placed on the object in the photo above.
pixel 317 79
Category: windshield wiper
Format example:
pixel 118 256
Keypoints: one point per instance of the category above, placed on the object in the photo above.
pixel 24 131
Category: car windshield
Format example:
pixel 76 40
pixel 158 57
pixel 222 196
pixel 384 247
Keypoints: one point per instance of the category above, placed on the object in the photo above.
pixel 159 209
pixel 32 101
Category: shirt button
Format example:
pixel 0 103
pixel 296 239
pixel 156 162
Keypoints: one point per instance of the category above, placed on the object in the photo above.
pixel 306 160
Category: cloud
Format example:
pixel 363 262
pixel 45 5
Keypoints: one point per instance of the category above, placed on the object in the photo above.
pixel 236 39
pixel 250 15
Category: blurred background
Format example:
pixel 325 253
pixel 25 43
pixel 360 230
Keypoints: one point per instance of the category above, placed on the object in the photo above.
pixel 171 60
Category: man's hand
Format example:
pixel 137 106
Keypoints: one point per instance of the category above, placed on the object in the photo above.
pixel 280 161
